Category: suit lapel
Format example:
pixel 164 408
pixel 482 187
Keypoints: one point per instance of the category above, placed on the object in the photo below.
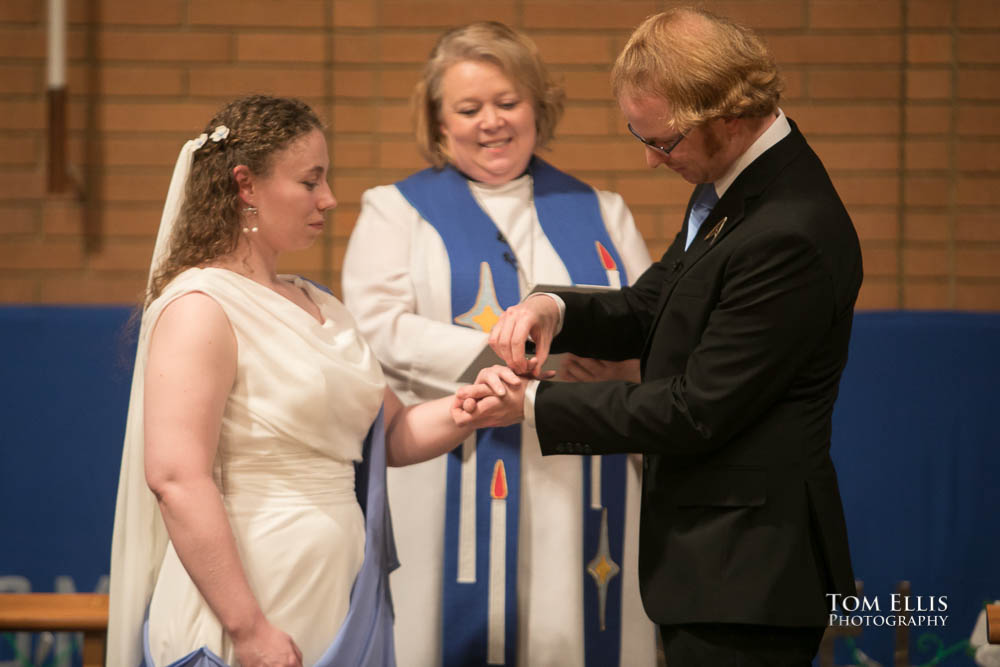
pixel 725 217
pixel 673 259
pixel 728 214
pixel 749 185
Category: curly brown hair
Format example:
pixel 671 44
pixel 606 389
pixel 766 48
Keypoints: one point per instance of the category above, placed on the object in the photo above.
pixel 705 65
pixel 492 42
pixel 209 224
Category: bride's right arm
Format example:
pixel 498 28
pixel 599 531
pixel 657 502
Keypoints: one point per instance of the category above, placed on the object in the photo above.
pixel 190 371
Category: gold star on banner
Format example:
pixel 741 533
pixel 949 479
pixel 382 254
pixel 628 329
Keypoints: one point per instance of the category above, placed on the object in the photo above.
pixel 486 310
pixel 486 319
pixel 600 570
pixel 603 569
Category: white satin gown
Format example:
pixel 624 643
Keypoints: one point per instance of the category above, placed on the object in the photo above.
pixel 304 398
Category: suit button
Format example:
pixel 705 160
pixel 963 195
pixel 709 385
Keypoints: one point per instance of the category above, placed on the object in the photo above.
pixel 586 449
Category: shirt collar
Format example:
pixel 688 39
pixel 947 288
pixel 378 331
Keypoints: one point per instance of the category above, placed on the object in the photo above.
pixel 777 131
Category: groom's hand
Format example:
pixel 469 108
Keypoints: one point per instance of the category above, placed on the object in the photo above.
pixel 537 318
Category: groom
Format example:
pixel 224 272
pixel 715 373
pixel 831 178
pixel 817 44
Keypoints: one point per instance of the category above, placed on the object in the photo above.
pixel 742 328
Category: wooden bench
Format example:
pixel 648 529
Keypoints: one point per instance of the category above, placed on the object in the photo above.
pixel 59 612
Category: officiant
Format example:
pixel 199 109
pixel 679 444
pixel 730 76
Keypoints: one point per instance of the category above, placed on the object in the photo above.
pixel 431 263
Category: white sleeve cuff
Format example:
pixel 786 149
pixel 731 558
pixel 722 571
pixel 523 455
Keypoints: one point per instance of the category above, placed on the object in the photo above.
pixel 559 303
pixel 529 403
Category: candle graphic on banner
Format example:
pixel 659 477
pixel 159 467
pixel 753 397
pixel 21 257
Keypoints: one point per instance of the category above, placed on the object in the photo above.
pixel 595 482
pixel 497 602
pixel 614 280
pixel 608 262
pixel 467 514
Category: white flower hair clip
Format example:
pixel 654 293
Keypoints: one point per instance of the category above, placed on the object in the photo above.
pixel 220 133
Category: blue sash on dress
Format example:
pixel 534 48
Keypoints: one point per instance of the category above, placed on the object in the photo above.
pixel 365 638
pixel 484 279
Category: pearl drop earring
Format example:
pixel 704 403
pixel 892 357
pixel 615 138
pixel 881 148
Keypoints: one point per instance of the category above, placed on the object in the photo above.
pixel 250 210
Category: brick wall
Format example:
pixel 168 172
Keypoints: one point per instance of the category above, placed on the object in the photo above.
pixel 899 97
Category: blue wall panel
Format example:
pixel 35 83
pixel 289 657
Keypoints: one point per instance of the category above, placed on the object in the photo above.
pixel 915 443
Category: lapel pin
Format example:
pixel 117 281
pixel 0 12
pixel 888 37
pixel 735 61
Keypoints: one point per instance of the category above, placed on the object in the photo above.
pixel 714 234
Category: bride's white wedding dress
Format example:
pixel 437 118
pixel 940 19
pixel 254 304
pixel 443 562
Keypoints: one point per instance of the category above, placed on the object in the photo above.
pixel 304 398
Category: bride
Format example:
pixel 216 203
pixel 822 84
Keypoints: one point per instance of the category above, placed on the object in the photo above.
pixel 238 534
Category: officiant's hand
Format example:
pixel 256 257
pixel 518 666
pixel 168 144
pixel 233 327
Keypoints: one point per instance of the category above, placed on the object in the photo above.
pixel 583 369
pixel 537 318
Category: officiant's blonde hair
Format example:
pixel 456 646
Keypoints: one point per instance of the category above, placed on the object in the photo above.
pixel 495 43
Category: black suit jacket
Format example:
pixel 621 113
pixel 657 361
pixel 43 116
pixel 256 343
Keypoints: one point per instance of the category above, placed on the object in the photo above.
pixel 742 339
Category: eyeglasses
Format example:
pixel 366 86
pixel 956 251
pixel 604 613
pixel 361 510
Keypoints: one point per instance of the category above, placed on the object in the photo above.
pixel 665 150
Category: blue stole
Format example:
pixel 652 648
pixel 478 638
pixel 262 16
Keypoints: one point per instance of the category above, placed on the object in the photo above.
pixel 484 281
pixel 365 637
